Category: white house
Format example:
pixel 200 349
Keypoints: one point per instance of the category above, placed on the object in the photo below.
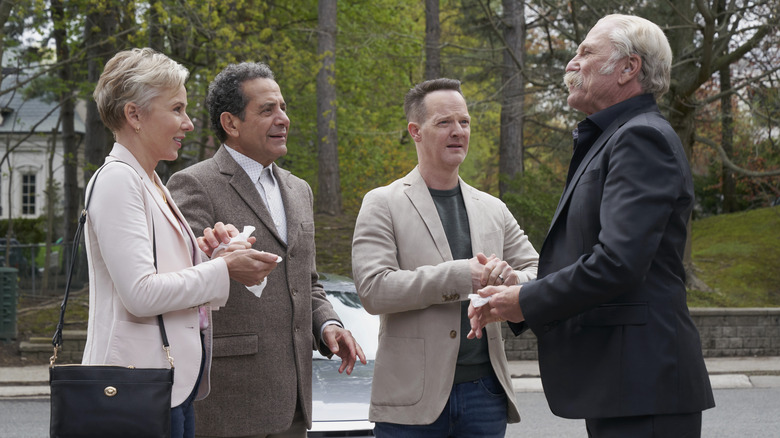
pixel 26 130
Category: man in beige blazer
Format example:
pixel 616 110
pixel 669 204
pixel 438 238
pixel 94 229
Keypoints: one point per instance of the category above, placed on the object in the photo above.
pixel 261 373
pixel 418 252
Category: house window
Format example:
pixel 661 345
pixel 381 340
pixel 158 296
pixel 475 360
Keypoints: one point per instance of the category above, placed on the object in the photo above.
pixel 28 194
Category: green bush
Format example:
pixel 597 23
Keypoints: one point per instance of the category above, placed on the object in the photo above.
pixel 532 199
pixel 26 230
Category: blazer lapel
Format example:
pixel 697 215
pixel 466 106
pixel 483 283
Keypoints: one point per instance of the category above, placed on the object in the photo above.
pixel 155 195
pixel 246 189
pixel 420 197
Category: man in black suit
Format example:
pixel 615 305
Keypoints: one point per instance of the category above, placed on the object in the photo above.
pixel 617 345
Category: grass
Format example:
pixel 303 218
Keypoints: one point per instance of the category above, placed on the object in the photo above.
pixel 738 256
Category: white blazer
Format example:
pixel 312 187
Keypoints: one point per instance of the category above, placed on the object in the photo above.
pixel 125 292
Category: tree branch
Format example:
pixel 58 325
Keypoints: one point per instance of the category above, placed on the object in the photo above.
pixel 728 163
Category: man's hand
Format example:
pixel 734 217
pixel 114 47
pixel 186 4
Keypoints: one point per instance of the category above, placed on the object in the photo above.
pixel 491 271
pixel 342 344
pixel 504 305
pixel 248 266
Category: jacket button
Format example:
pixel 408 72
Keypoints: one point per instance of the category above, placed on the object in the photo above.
pixel 453 334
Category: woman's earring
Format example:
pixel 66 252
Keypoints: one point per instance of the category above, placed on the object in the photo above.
pixel 137 129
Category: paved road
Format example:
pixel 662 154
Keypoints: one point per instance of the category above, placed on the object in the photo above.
pixel 744 413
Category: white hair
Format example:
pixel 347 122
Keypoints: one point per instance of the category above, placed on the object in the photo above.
pixel 636 35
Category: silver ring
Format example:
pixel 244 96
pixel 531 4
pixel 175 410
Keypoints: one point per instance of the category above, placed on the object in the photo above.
pixel 501 278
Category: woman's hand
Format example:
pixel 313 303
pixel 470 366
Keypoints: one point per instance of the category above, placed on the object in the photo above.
pixel 221 233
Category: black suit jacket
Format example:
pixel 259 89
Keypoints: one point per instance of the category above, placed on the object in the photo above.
pixel 609 308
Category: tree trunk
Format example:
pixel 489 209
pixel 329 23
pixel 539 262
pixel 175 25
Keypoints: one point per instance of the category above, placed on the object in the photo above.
pixel 67 113
pixel 329 190
pixel 432 36
pixel 510 151
pixel 728 185
pixel 101 24
pixel 680 97
pixel 51 197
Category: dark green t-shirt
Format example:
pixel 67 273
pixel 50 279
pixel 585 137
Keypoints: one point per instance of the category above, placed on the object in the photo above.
pixel 473 357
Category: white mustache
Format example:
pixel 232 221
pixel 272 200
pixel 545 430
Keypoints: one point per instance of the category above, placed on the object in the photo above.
pixel 572 79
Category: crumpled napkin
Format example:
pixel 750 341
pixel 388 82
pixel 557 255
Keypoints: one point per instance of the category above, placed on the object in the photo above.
pixel 242 237
pixel 478 301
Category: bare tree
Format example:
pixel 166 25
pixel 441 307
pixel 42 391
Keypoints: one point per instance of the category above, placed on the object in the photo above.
pixel 705 40
pixel 728 185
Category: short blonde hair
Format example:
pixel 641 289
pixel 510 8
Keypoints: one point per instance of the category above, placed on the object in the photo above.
pixel 136 75
pixel 635 35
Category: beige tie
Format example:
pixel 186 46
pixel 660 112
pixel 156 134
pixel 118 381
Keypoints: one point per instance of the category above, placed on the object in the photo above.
pixel 273 200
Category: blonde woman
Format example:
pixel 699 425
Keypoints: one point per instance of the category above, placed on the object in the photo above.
pixel 144 259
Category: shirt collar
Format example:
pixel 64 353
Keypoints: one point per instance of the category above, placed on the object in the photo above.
pixel 605 117
pixel 252 168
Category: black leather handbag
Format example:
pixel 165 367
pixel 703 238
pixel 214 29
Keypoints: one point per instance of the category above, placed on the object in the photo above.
pixel 99 401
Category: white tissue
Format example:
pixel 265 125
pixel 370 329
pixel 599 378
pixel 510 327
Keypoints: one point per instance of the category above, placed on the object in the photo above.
pixel 242 237
pixel 478 301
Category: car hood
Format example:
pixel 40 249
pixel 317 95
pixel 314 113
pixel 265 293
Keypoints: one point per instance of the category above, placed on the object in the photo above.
pixel 340 397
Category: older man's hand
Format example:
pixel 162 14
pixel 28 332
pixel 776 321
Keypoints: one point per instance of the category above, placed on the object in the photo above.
pixel 504 305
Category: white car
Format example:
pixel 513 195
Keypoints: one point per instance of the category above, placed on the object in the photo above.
pixel 340 401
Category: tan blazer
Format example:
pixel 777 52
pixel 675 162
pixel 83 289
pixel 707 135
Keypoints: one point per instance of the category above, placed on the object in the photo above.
pixel 262 346
pixel 125 293
pixel 404 272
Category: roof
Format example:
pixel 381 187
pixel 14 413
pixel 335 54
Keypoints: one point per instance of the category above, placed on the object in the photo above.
pixel 20 115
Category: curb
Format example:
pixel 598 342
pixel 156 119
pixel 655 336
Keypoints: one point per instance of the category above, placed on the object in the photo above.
pixel 725 373
pixel 520 385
